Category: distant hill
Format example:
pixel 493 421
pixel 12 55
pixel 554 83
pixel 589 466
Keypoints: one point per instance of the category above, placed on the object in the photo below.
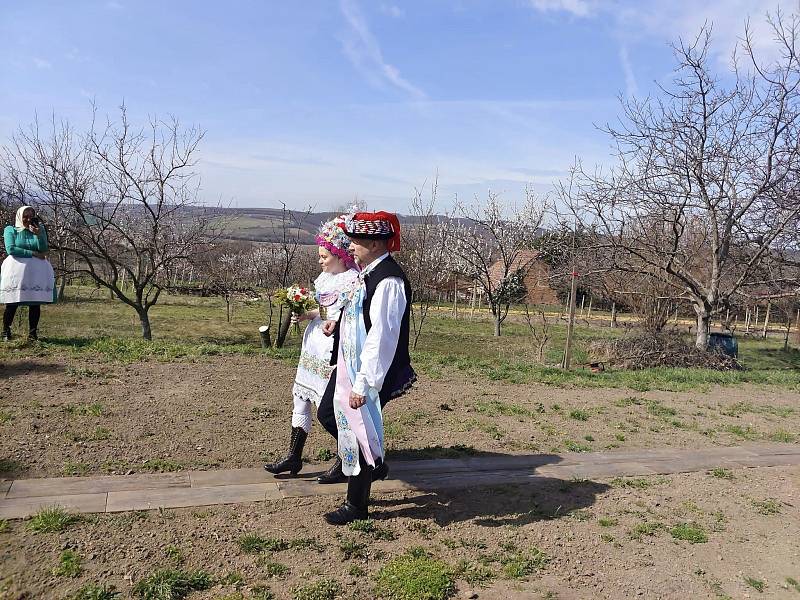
pixel 264 224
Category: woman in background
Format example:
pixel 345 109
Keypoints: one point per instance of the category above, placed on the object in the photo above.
pixel 26 276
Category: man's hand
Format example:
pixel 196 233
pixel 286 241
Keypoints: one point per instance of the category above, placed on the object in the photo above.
pixel 328 327
pixel 34 229
pixel 39 255
pixel 357 401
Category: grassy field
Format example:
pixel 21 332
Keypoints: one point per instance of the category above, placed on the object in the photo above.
pixel 189 327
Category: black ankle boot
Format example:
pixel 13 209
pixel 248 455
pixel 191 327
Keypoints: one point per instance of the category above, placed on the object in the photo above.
pixel 33 335
pixel 7 334
pixel 294 460
pixel 356 506
pixel 334 474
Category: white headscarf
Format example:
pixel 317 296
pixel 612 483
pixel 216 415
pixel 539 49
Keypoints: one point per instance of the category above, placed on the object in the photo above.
pixel 18 222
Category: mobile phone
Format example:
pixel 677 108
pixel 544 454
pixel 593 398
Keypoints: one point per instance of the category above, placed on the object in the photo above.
pixel 35 221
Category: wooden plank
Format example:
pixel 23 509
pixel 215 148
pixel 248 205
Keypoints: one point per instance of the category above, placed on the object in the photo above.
pixel 18 508
pixel 183 497
pixel 29 488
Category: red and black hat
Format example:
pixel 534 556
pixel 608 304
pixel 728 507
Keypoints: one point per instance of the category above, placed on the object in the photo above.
pixel 379 225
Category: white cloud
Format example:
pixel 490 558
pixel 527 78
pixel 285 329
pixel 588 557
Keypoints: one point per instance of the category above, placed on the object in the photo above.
pixel 42 63
pixel 631 88
pixel 363 50
pixel 392 10
pixel 578 8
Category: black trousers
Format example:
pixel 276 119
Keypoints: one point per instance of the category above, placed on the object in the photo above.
pixel 325 413
pixel 34 312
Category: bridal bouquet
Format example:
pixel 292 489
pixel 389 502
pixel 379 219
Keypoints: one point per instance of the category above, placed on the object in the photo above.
pixel 298 299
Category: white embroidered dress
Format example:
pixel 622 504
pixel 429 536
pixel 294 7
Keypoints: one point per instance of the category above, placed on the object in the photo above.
pixel 314 369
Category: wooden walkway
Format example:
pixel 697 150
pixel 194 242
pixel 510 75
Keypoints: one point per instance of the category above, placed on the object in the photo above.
pixel 23 497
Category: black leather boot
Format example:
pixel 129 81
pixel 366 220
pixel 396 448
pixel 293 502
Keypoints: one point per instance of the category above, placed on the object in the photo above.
pixel 356 506
pixel 294 460
pixel 334 474
pixel 7 334
pixel 33 335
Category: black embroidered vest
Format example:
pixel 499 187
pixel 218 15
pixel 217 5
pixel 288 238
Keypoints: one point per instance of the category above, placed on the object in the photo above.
pixel 400 376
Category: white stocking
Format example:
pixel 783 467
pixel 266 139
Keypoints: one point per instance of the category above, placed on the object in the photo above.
pixel 301 415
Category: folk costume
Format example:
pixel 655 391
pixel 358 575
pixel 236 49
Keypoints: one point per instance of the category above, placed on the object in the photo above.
pixel 373 361
pixel 315 367
pixel 25 279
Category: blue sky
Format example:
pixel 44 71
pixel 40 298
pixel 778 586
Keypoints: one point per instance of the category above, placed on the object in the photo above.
pixel 318 102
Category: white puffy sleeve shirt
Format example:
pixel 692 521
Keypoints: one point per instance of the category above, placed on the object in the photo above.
pixel 386 313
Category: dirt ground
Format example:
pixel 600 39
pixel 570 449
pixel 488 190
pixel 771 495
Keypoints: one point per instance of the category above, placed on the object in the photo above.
pixel 601 539
pixel 61 417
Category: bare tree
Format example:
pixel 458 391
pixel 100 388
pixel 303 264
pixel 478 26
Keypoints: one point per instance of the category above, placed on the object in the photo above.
pixel 425 251
pixel 539 327
pixel 490 248
pixel 706 178
pixel 126 199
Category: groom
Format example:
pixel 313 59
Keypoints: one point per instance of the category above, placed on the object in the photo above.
pixel 382 368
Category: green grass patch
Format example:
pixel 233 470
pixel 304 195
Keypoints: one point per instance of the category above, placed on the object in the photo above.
pixel 782 436
pixel 573 446
pixel 69 564
pixel 721 473
pixel 6 417
pixel 415 575
pixel 579 415
pixel 52 519
pixel 93 591
pixel 262 592
pixel 271 568
pixel 689 532
pixel 606 522
pixel 757 584
pixel 371 528
pixel 172 584
pixel 645 529
pixel 160 465
pixel 475 574
pixel 768 507
pixel 793 583
pixel 494 408
pixel 745 433
pixel 519 565
pixel 253 543
pixel 637 483
pixel 323 589
pixel 92 410
pixel 352 549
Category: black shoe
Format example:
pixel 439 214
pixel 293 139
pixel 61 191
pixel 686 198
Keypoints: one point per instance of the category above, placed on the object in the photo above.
pixel 7 335
pixel 294 460
pixel 355 507
pixel 334 474
pixel 381 471
pixel 346 513
pixel 33 335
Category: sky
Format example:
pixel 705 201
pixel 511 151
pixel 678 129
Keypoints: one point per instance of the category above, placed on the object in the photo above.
pixel 321 102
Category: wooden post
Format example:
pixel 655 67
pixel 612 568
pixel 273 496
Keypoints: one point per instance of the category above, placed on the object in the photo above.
pixel 797 325
pixel 455 297
pixel 583 302
pixel 766 320
pixel 747 319
pixel 263 332
pixel 472 301
pixel 786 333
pixel 676 314
pixel 571 323
pixel 589 314
pixel 758 308
pixel 613 314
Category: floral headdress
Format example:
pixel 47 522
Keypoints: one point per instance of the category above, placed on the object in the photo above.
pixel 332 237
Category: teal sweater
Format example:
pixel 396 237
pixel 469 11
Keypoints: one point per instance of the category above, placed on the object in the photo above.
pixel 23 244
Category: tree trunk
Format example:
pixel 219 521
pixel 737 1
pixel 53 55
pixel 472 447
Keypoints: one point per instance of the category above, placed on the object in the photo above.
pixel 766 320
pixel 703 324
pixel 144 319
pixel 613 314
pixel 497 322
pixel 565 364
pixel 286 322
